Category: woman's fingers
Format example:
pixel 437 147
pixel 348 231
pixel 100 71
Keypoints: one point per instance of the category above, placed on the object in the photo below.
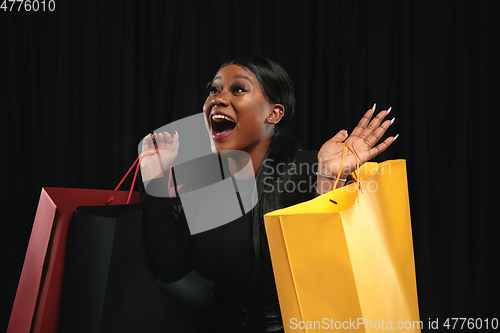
pixel 340 136
pixel 145 142
pixel 174 144
pixel 160 140
pixel 171 145
pixel 372 131
pixel 374 124
pixel 358 130
pixel 163 140
pixel 381 147
pixel 375 136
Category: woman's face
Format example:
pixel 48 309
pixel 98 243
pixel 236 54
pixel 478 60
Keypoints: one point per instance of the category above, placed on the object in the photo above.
pixel 237 110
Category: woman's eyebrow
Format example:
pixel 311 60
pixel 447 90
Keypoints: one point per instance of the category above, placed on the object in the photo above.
pixel 243 77
pixel 235 76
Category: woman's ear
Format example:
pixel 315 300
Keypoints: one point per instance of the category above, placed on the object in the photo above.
pixel 277 112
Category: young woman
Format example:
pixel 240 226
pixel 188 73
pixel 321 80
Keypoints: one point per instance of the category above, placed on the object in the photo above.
pixel 250 97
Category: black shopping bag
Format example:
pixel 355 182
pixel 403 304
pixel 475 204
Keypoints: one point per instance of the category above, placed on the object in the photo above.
pixel 109 285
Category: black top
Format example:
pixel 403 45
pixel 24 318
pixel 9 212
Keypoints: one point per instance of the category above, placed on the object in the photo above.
pixel 224 255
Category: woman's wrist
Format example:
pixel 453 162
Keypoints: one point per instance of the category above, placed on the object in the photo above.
pixel 331 177
pixel 326 184
pixel 330 170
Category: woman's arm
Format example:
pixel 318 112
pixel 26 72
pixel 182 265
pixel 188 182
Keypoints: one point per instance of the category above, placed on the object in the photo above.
pixel 167 238
pixel 167 235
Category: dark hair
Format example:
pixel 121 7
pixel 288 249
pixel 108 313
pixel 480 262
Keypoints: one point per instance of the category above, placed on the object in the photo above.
pixel 282 151
pixel 277 88
pixel 274 82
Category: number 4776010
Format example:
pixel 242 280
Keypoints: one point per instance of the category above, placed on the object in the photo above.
pixel 28 5
pixel 470 323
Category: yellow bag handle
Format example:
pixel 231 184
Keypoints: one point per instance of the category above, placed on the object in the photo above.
pixel 354 174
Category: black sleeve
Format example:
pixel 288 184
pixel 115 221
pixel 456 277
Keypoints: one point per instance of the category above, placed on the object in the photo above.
pixel 167 238
pixel 304 177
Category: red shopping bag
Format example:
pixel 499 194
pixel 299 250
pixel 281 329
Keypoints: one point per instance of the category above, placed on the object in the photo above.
pixel 38 293
pixel 36 306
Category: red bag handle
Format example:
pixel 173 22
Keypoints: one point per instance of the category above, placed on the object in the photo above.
pixel 137 162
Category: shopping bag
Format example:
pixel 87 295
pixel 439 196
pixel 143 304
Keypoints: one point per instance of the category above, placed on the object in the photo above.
pixel 37 305
pixel 109 285
pixel 344 260
pixel 38 295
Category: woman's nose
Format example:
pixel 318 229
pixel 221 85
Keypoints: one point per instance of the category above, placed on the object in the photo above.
pixel 222 99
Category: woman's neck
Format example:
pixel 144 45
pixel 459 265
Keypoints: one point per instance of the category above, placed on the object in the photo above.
pixel 239 164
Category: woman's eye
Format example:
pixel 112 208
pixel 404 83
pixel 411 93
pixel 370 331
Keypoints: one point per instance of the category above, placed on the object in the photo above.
pixel 214 90
pixel 238 88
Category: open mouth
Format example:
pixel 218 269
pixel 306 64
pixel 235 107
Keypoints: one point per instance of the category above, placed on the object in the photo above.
pixel 222 125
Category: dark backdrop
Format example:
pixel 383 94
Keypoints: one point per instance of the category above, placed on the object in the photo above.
pixel 82 85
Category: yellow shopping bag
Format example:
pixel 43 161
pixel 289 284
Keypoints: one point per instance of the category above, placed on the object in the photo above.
pixel 344 265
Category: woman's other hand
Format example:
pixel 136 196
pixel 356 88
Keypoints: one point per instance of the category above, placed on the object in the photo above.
pixel 155 166
pixel 363 141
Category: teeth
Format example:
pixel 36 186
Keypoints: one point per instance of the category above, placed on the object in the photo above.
pixel 220 116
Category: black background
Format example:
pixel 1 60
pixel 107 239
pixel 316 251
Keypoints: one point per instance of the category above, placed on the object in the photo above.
pixel 82 85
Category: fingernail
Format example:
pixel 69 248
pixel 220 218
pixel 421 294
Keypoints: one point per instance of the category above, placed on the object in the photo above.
pixel 374 106
pixel 389 110
pixel 346 133
pixel 176 134
pixel 395 137
pixel 392 120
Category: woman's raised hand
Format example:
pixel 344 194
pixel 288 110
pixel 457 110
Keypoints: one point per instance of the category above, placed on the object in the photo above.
pixel 155 166
pixel 362 140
